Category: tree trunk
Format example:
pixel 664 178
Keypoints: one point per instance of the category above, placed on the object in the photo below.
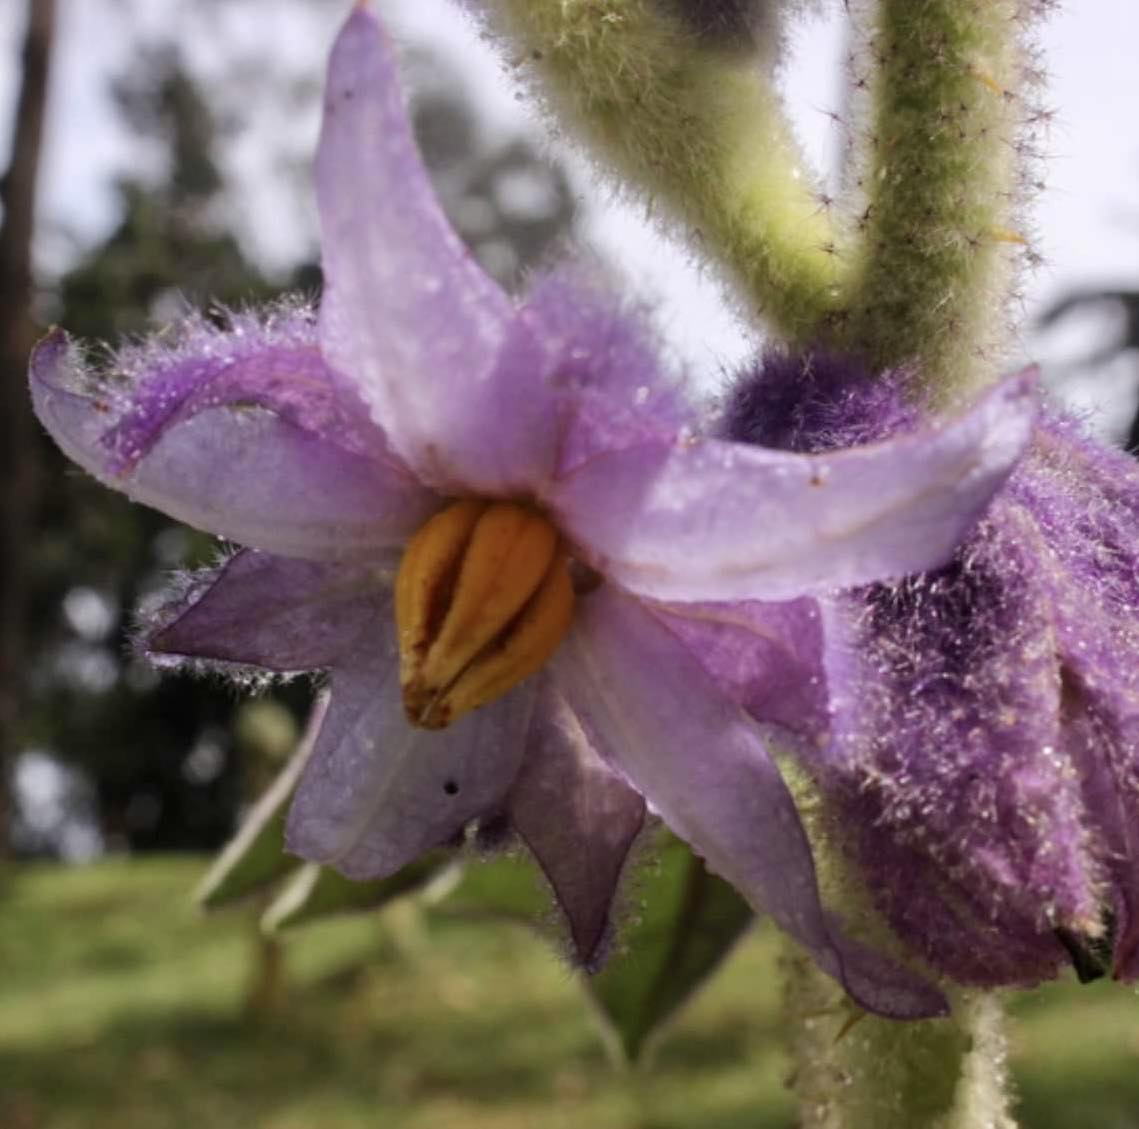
pixel 19 463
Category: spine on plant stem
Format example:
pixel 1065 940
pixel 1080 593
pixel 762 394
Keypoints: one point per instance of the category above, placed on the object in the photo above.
pixel 943 174
pixel 677 97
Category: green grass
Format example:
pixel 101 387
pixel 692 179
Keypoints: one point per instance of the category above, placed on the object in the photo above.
pixel 119 1006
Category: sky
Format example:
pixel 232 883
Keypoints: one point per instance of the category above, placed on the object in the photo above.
pixel 1087 220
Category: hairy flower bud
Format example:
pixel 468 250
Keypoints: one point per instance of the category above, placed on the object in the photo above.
pixel 982 766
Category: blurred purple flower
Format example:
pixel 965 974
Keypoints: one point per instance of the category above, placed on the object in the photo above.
pixel 328 442
pixel 983 752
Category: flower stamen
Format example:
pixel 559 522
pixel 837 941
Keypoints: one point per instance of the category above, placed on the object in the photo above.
pixel 482 599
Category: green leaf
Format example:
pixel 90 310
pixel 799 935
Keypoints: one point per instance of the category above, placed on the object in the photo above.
pixel 688 922
pixel 256 856
pixel 318 891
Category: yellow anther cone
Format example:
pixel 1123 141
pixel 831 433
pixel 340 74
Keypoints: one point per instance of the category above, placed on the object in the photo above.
pixel 483 598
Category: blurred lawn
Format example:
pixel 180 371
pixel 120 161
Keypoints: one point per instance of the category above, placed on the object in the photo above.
pixel 119 1006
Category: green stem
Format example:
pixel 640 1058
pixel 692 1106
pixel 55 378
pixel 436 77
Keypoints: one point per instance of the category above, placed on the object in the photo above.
pixel 698 127
pixel 855 1071
pixel 852 1070
pixel 940 185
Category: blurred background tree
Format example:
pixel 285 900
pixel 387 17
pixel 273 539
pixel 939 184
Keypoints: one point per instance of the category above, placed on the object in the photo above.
pixel 19 464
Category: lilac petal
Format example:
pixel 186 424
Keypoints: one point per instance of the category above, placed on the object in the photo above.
pixel 433 344
pixel 377 792
pixel 270 361
pixel 651 710
pixel 603 342
pixel 579 819
pixel 767 657
pixel 714 520
pixel 239 472
pixel 277 613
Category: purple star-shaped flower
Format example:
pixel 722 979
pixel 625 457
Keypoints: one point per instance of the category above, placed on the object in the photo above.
pixel 423 409
pixel 983 753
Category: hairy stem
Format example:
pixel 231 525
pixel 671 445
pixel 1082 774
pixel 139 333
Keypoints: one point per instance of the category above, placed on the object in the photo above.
pixel 940 184
pixel 696 125
pixel 855 1071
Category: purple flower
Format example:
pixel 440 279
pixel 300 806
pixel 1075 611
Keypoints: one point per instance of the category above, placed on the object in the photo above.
pixel 564 550
pixel 983 753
